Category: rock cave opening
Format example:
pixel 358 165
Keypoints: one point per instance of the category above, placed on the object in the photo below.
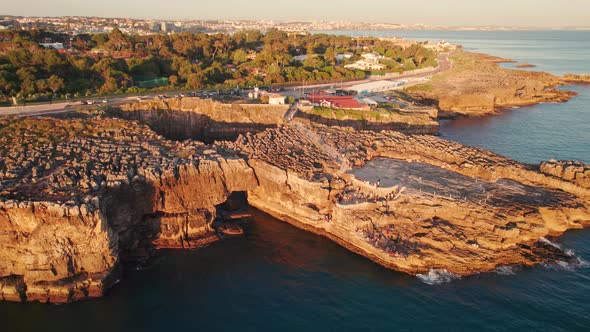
pixel 232 214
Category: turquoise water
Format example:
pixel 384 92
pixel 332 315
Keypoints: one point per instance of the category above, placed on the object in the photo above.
pixel 281 278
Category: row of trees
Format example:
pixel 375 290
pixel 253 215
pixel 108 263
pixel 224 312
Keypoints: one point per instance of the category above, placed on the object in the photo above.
pixel 114 62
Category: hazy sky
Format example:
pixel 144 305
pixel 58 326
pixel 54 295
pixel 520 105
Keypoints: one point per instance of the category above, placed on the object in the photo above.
pixel 434 12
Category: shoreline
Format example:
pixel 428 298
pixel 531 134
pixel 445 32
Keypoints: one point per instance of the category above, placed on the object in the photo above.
pixel 477 86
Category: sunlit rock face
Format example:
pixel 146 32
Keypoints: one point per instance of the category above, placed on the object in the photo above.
pixel 83 197
pixel 91 195
pixel 412 203
pixel 203 119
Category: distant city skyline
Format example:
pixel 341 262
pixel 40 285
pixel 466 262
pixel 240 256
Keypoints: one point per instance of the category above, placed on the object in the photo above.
pixel 533 13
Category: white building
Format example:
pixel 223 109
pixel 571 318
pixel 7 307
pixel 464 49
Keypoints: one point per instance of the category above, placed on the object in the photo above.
pixel 276 99
pixel 57 46
pixel 343 56
pixel 377 86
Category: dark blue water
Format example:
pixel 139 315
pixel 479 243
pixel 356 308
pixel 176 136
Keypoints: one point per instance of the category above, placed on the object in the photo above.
pixel 534 133
pixel 281 278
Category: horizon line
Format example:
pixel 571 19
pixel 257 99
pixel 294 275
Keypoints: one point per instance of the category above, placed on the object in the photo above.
pixel 522 27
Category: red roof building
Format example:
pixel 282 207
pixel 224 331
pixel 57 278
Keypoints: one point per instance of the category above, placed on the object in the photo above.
pixel 340 102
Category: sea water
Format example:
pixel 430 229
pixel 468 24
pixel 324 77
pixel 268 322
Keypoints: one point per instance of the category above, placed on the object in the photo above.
pixel 279 278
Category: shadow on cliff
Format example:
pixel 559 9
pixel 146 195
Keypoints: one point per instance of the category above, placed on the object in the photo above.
pixel 179 126
pixel 131 214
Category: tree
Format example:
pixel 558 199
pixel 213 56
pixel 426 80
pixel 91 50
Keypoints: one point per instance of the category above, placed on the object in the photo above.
pixel 194 81
pixel 118 41
pixel 55 83
pixel 240 56
pixel 41 85
pixel 173 79
pixel 100 39
pixel 409 64
pixel 330 55
pixel 110 86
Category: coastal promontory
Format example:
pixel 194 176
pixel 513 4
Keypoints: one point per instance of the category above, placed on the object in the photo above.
pixel 477 85
pixel 86 195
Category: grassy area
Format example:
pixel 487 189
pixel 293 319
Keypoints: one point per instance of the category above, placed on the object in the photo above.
pixel 377 115
pixel 421 87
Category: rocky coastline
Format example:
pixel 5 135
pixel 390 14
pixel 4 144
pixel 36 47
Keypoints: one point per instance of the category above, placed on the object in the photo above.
pixel 577 79
pixel 417 228
pixel 477 86
pixel 79 202
pixel 89 194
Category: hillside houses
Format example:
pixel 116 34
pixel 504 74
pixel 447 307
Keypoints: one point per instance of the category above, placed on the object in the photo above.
pixel 369 62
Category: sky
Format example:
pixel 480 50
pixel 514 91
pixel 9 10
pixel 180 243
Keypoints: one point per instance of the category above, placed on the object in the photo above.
pixel 534 13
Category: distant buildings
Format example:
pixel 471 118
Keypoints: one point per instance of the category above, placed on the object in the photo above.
pixel 440 46
pixel 377 86
pixel 167 27
pixel 369 61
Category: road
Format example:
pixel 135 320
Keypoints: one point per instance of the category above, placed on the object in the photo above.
pixel 444 65
pixel 63 107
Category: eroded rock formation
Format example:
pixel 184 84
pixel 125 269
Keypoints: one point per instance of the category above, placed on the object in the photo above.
pixel 79 197
pixel 572 171
pixel 577 78
pixel 446 206
pixel 477 86
pixel 414 120
pixel 203 119
pixel 82 197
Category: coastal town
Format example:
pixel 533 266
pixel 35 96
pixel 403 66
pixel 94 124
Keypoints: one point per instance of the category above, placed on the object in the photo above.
pixel 81 25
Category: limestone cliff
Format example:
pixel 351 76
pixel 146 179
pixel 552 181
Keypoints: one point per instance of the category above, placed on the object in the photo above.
pixel 571 171
pixel 79 200
pixel 82 197
pixel 203 119
pixel 446 206
pixel 577 79
pixel 422 120
pixel 476 85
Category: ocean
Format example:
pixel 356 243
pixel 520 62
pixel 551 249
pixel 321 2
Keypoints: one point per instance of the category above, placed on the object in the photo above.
pixel 279 278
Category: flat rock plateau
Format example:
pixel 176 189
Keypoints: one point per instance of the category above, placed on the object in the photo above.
pixel 87 194
pixel 477 86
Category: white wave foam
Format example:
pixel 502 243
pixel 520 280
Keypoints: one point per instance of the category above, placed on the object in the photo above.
pixel 506 270
pixel 575 264
pixel 553 244
pixel 437 277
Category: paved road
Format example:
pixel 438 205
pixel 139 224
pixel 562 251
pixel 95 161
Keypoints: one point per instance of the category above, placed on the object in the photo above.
pixel 444 65
pixel 56 108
